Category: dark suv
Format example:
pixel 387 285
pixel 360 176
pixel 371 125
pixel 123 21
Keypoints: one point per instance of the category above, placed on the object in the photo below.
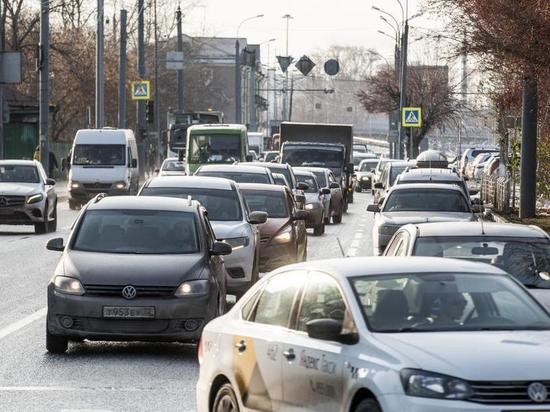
pixel 136 268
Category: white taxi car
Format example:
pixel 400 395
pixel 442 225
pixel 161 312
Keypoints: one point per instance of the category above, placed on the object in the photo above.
pixel 379 334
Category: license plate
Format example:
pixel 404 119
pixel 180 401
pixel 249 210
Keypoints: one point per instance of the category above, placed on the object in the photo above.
pixel 129 312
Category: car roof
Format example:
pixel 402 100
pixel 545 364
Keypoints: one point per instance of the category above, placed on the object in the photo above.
pixel 218 127
pixel 143 203
pixel 429 174
pixel 234 168
pixel 401 163
pixel 312 169
pixel 430 186
pixel 446 229
pixel 262 187
pixel 372 266
pixel 268 165
pixel 18 162
pixel 204 182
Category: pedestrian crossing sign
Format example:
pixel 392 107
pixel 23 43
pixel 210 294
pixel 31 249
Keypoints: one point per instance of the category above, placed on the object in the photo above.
pixel 411 117
pixel 141 90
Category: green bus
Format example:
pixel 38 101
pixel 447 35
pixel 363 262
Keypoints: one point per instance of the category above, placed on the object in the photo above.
pixel 215 144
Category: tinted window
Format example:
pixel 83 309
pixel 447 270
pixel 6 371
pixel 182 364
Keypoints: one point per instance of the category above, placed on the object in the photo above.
pixel 239 177
pixel 394 172
pixel 173 166
pixel 367 166
pixel 321 178
pixel 19 174
pixel 99 155
pixel 423 200
pixel 215 148
pixel 310 181
pixel 285 172
pixel 137 232
pixel 274 203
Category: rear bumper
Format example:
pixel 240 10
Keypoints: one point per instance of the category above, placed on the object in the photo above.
pixel 315 217
pixel 273 256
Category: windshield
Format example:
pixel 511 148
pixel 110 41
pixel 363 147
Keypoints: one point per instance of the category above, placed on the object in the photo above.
pixel 222 205
pixel 279 179
pixel 394 172
pixel 321 179
pixel 524 258
pixel 426 200
pixel 273 203
pixel 137 232
pixel 313 156
pixel 270 156
pixel 215 148
pixel 359 148
pixel 173 166
pixel 310 181
pixel 285 171
pixel 99 155
pixel 434 302
pixel 19 174
pixel 239 177
pixel 368 165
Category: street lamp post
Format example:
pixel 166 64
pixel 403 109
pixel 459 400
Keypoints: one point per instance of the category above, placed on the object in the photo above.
pixel 238 87
pixel 288 17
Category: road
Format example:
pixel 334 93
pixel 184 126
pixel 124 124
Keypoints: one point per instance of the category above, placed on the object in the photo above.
pixel 103 376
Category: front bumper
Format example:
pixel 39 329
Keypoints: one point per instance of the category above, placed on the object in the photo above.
pixel 176 319
pixel 273 256
pixel 239 265
pixel 83 194
pixel 23 215
pixel 364 183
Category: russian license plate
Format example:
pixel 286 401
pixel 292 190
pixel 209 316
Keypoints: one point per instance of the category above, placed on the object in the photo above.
pixel 129 312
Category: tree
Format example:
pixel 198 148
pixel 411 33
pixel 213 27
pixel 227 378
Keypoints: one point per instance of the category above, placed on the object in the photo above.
pixel 427 87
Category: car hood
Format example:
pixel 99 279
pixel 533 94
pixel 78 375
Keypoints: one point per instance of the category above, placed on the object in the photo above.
pixel 475 356
pixel 105 174
pixel 273 226
pixel 228 230
pixel 20 189
pixel 402 218
pixel 138 270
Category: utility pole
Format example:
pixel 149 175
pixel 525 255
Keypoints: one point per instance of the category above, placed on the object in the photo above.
pixel 122 72
pixel 252 96
pixel 285 87
pixel 403 89
pixel 141 126
pixel 44 72
pixel 99 71
pixel 157 94
pixel 238 97
pixel 181 98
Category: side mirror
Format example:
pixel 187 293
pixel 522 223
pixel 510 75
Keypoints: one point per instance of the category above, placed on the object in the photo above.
pixel 134 163
pixel 300 199
pixel 329 329
pixel 373 208
pixel 257 218
pixel 300 215
pixel 56 244
pixel 221 249
pixel 325 191
pixel 334 185
pixel 50 182
pixel 230 301
pixel 378 185
pixel 248 158
pixel 302 186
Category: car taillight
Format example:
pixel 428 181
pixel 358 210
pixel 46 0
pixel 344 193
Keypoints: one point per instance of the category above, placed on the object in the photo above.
pixel 200 351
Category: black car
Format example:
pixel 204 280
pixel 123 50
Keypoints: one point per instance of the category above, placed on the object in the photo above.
pixel 136 268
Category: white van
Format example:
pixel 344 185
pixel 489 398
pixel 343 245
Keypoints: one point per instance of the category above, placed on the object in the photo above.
pixel 102 161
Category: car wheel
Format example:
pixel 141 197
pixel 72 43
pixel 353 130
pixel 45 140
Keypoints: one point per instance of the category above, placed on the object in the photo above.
pixel 225 400
pixel 55 343
pixel 52 226
pixel 42 227
pixel 326 220
pixel 337 218
pixel 368 405
pixel 319 229
pixel 72 205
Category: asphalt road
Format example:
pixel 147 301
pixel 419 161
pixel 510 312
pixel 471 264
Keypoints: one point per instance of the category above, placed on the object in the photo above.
pixel 99 376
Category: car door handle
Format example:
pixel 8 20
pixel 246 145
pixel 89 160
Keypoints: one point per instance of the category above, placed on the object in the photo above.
pixel 241 346
pixel 289 354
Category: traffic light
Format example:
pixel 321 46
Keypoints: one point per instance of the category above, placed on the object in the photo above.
pixel 150 111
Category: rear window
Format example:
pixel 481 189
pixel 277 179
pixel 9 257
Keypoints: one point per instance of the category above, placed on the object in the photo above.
pixel 310 181
pixel 426 200
pixel 273 203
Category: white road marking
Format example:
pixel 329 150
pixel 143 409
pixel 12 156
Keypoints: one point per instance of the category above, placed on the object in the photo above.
pixel 71 389
pixel 21 323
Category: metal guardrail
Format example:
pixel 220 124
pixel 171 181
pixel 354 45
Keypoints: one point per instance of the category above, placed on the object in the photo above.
pixel 496 193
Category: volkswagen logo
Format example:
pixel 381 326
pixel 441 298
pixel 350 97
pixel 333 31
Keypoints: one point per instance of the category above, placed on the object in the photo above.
pixel 129 292
pixel 3 202
pixel 537 392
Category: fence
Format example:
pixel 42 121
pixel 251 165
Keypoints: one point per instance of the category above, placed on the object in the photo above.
pixel 499 193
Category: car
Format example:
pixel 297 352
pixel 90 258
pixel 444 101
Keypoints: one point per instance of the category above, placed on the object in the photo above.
pixel 474 169
pixel 364 174
pixel 432 159
pixel 521 250
pixel 283 236
pixel 471 153
pixel 280 179
pixel 360 147
pixel 359 156
pixel 382 162
pixel 257 174
pixel 172 166
pixel 326 179
pixel 378 334
pixel 439 176
pixel 271 156
pixel 388 177
pixel 418 203
pixel 27 196
pixel 136 268
pixel 317 201
pixel 230 219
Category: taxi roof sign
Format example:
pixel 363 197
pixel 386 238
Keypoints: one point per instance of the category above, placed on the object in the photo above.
pixel 141 90
pixel 411 117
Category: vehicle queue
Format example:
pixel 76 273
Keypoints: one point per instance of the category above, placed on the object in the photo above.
pixel 435 324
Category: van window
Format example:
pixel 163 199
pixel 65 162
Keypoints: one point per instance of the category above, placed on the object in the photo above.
pixel 215 148
pixel 99 155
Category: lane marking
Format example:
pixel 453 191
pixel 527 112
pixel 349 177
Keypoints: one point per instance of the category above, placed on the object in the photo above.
pixel 71 389
pixel 21 323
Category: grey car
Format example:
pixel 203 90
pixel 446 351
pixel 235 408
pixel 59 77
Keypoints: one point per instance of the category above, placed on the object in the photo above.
pixel 27 195
pixel 238 173
pixel 317 201
pixel 136 268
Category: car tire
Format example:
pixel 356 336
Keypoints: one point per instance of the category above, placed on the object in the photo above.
pixel 52 226
pixel 319 229
pixel 368 405
pixel 42 227
pixel 225 400
pixel 337 219
pixel 326 220
pixel 56 343
pixel 72 205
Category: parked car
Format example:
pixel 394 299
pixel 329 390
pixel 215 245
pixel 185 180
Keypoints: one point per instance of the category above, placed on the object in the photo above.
pixel 491 165
pixel 521 250
pixel 365 174
pixel 388 177
pixel 237 173
pixel 378 334
pixel 418 203
pixel 230 219
pixel 172 166
pixel 136 269
pixel 27 195
pixel 283 236
pixel 471 153
pixel 474 169
pixel 317 202
pixel 326 179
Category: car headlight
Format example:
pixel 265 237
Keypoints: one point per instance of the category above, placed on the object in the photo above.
pixel 120 185
pixel 388 229
pixel 70 286
pixel 311 206
pixel 35 198
pixel 434 385
pixel 74 185
pixel 237 242
pixel 192 288
pixel 284 237
pixel 365 178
